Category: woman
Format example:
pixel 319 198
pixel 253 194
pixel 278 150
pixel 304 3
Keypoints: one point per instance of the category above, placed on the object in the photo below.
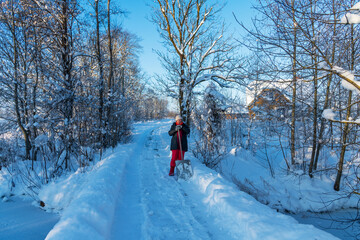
pixel 178 130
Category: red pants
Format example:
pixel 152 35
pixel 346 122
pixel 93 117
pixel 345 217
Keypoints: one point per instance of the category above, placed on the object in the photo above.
pixel 176 155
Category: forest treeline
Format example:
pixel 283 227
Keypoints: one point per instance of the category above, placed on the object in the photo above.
pixel 70 82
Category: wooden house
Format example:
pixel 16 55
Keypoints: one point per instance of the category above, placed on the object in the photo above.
pixel 269 104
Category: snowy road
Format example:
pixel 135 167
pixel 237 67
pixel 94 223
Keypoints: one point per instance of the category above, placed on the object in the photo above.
pixel 151 204
pixel 129 195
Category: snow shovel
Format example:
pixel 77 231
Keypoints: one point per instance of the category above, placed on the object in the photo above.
pixel 183 167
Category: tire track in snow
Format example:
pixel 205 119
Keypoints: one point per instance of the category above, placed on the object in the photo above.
pixel 168 214
pixel 129 214
pixel 198 210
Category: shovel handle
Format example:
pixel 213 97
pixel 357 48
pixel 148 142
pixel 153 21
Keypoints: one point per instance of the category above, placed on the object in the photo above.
pixel 178 133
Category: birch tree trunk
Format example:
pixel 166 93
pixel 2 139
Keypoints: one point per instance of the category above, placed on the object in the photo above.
pixel 294 87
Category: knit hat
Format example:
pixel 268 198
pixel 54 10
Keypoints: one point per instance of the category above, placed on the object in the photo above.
pixel 178 117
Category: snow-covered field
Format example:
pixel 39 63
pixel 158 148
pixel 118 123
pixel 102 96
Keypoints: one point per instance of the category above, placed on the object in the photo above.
pixel 129 195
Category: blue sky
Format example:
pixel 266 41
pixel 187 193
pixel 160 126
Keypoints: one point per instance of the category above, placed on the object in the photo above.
pixel 137 22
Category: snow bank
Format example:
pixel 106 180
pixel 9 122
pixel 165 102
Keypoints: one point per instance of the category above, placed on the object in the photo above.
pixel 89 199
pixel 295 192
pixel 58 195
pixel 242 215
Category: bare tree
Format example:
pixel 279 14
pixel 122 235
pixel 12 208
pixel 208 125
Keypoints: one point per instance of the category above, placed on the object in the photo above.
pixel 59 24
pixel 197 48
pixel 20 53
pixel 346 77
pixel 49 78
pixel 330 76
pixel 280 48
pixel 307 41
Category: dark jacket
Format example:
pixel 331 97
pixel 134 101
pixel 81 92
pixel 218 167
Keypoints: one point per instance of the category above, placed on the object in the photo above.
pixel 174 140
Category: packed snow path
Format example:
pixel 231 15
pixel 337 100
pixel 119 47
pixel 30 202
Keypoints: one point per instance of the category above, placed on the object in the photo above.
pixel 129 195
pixel 151 203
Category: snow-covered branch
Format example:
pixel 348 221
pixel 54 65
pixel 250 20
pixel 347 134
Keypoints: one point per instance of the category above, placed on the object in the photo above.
pixel 330 115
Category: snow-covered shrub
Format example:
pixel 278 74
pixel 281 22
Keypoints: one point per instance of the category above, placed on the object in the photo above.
pixel 208 119
pixel 7 153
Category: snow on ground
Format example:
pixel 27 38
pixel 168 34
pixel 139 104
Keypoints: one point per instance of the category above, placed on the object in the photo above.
pixel 20 220
pixel 152 205
pixel 129 195
pixel 336 223
pixel 285 192
pixel 241 215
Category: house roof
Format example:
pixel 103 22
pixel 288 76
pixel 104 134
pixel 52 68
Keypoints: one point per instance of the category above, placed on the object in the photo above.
pixel 284 86
pixel 261 94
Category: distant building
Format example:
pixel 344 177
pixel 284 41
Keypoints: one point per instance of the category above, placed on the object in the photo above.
pixel 272 99
pixel 268 104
